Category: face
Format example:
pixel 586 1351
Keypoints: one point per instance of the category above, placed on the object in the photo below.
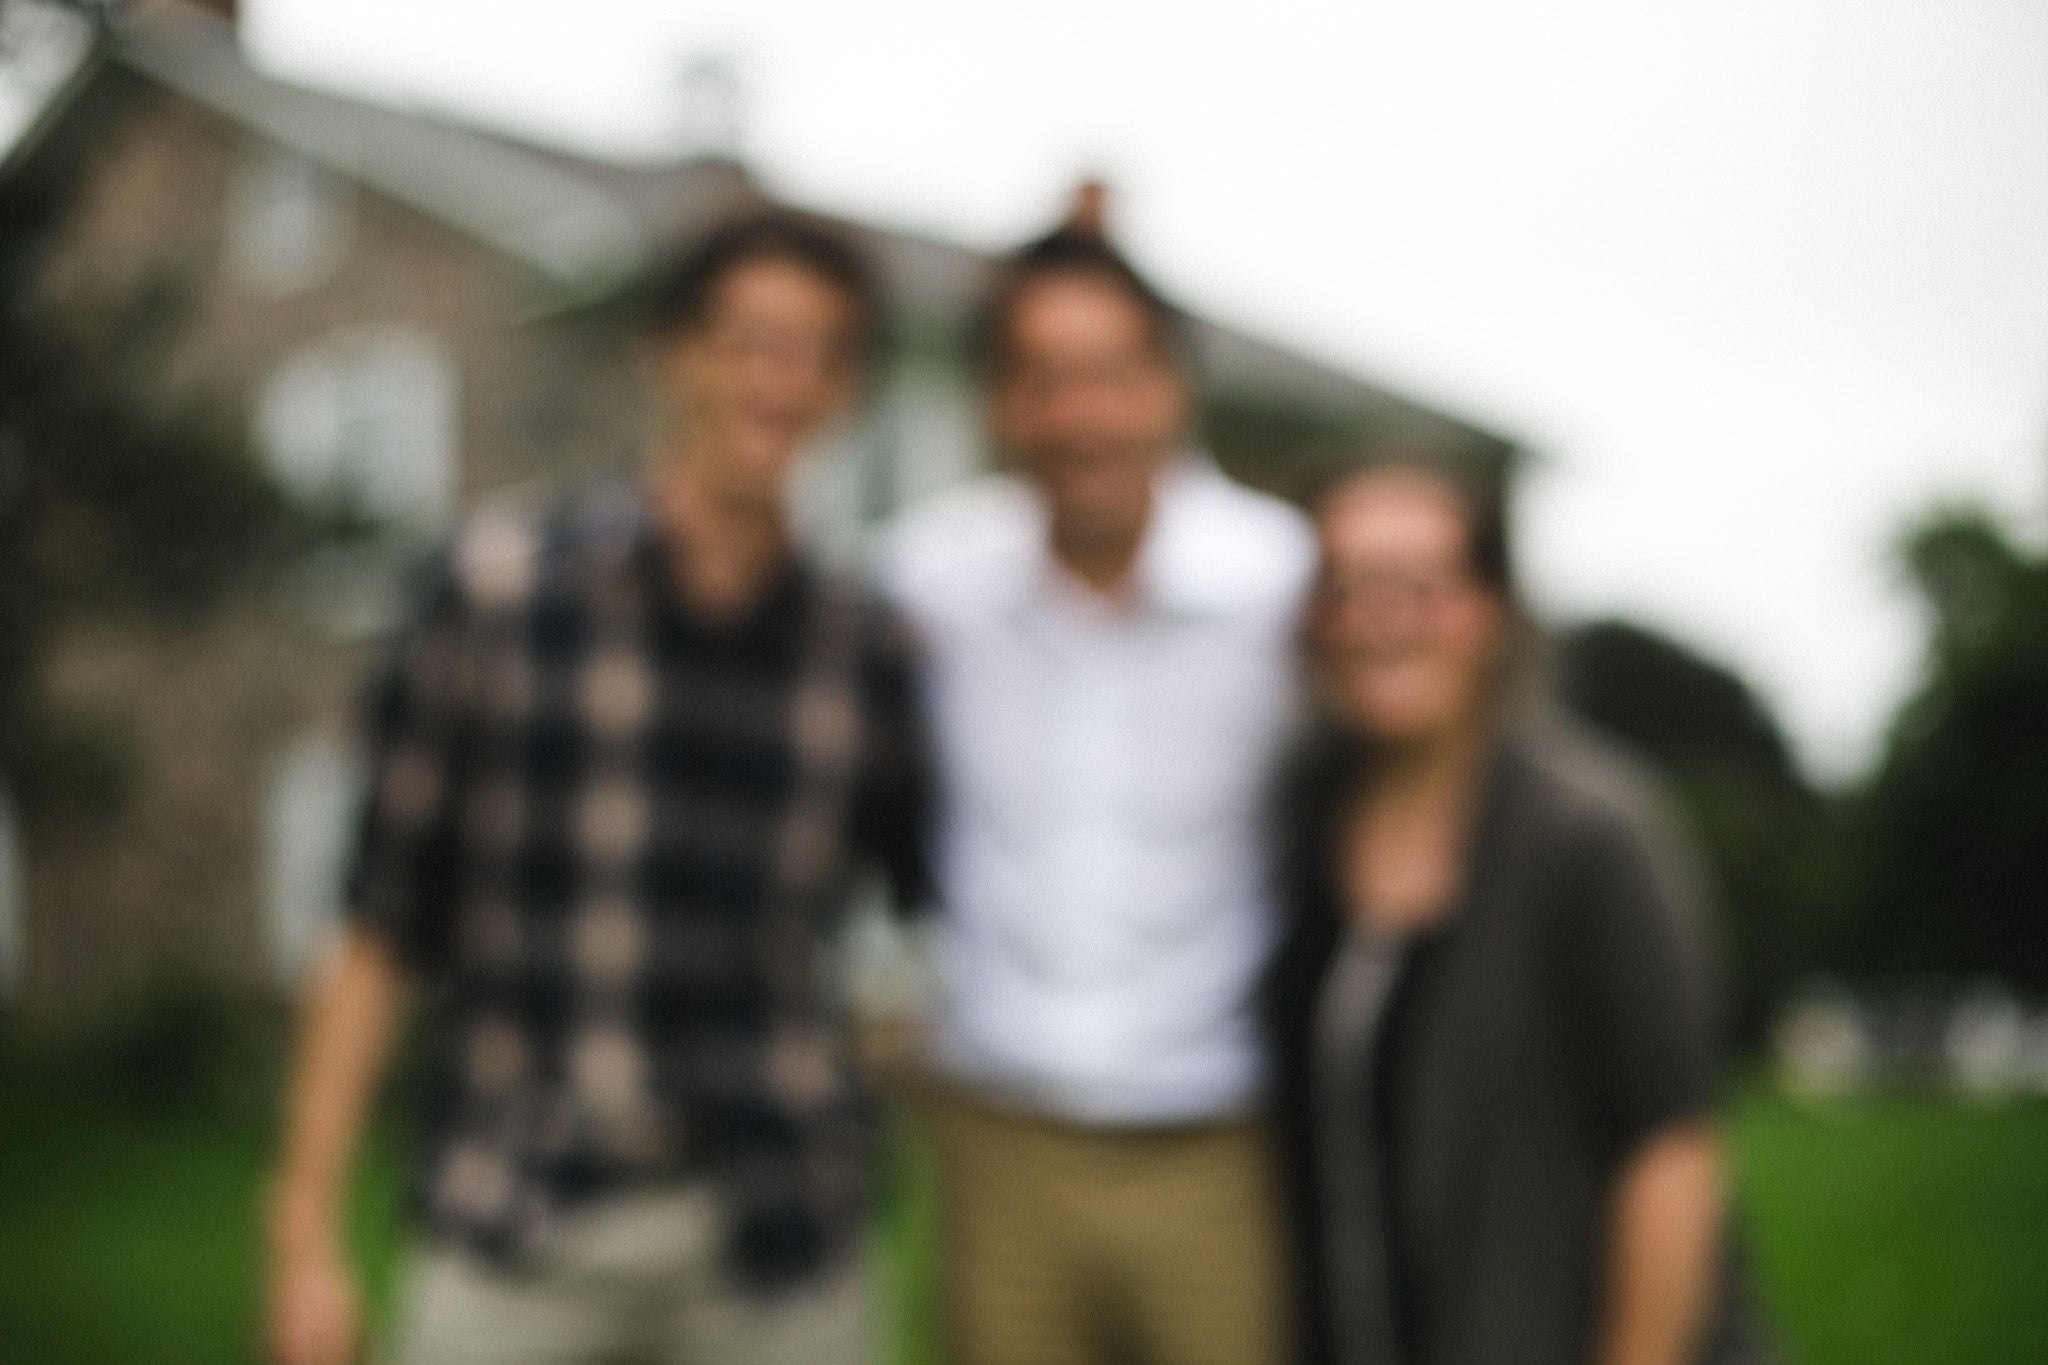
pixel 1086 402
pixel 771 363
pixel 1403 638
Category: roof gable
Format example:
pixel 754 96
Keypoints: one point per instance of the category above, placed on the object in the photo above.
pixel 589 227
pixel 560 225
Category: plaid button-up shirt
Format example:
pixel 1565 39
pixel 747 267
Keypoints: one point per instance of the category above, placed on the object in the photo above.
pixel 618 835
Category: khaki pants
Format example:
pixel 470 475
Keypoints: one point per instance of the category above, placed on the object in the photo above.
pixel 1068 1245
pixel 635 1279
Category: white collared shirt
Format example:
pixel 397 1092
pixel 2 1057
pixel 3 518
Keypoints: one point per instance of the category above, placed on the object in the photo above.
pixel 1103 772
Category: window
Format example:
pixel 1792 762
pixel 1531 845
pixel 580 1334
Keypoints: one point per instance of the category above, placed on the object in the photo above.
pixel 937 429
pixel 42 45
pixel 368 418
pixel 922 435
pixel 829 494
pixel 286 226
pixel 308 812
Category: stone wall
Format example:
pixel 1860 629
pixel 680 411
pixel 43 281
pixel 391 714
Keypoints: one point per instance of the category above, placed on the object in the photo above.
pixel 171 883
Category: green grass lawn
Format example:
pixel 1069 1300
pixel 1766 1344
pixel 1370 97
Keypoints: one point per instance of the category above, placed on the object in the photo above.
pixel 1900 1230
pixel 128 1234
pixel 1903 1230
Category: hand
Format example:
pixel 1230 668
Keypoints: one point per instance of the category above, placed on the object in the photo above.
pixel 352 1009
pixel 315 1316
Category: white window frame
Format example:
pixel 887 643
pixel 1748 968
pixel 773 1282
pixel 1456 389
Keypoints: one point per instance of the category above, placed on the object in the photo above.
pixel 311 801
pixel 286 229
pixel 369 415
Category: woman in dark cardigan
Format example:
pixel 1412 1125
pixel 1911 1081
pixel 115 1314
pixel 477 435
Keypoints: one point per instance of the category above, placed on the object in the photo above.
pixel 1494 1067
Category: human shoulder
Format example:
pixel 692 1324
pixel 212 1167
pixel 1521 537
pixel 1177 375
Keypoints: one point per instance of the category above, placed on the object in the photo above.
pixel 1602 805
pixel 1587 780
pixel 517 543
pixel 965 538
pixel 1247 512
pixel 1632 908
pixel 1230 544
pixel 837 593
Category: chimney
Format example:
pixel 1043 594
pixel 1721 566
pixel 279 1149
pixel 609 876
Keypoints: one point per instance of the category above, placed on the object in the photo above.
pixel 1088 208
pixel 713 108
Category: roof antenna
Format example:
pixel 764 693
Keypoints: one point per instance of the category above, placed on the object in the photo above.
pixel 712 125
pixel 1088 208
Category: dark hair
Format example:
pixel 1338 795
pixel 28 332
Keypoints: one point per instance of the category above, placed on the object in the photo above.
pixel 1480 492
pixel 681 295
pixel 1074 251
pixel 1522 676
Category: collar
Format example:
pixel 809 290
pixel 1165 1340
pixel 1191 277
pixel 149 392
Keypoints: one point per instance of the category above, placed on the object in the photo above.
pixel 1183 567
pixel 1187 564
pixel 627 547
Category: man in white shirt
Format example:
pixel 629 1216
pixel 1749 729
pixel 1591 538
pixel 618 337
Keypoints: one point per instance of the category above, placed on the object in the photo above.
pixel 1108 636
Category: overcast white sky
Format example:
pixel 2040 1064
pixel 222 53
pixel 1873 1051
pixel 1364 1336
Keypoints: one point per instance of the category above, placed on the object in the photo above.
pixel 1758 277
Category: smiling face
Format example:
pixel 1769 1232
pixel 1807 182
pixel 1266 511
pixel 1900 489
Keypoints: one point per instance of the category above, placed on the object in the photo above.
pixel 1087 401
pixel 1404 639
pixel 770 364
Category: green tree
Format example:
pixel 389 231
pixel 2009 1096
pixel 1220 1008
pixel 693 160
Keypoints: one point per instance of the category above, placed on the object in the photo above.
pixel 1769 838
pixel 1953 826
pixel 110 500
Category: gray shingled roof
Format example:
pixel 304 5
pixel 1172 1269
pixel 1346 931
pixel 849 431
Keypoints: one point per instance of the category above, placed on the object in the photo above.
pixel 588 225
pixel 557 223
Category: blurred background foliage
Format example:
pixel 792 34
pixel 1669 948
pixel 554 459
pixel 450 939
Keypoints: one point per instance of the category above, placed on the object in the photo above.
pixel 1929 873
pixel 1951 830
pixel 111 500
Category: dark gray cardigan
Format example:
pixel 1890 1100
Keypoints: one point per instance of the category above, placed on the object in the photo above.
pixel 1557 1018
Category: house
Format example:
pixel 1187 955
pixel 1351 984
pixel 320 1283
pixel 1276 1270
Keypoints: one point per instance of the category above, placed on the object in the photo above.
pixel 414 311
